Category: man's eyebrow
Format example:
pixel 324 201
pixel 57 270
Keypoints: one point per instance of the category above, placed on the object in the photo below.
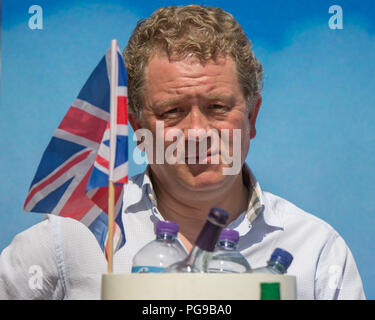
pixel 221 97
pixel 167 102
pixel 163 103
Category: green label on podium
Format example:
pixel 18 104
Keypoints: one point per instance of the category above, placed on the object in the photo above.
pixel 270 291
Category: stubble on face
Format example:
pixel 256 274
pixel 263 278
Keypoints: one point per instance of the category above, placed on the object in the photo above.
pixel 188 95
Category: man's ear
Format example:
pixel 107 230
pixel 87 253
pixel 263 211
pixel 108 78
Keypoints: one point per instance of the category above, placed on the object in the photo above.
pixel 253 114
pixel 134 121
pixel 136 125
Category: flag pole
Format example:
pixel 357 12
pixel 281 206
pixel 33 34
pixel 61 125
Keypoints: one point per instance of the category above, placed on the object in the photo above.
pixel 111 202
pixel 112 153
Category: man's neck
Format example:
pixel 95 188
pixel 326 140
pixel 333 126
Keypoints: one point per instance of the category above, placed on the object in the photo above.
pixel 190 210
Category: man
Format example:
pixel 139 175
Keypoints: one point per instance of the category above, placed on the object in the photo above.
pixel 191 72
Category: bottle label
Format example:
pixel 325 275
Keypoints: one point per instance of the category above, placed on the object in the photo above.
pixel 147 269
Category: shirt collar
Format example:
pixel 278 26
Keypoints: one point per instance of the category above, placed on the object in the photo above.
pixel 243 224
pixel 147 186
pixel 258 206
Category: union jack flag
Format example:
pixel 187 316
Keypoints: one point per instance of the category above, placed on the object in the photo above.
pixel 72 177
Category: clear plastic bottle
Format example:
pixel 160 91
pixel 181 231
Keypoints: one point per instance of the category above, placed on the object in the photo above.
pixel 227 258
pixel 278 264
pixel 161 252
pixel 200 255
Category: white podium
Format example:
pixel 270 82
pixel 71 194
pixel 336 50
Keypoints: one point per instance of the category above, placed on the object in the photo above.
pixel 192 286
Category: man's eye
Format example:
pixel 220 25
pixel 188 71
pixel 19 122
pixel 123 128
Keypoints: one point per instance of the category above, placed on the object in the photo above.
pixel 218 108
pixel 174 110
pixel 171 112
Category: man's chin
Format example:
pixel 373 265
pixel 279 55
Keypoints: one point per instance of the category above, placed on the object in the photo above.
pixel 200 169
pixel 204 177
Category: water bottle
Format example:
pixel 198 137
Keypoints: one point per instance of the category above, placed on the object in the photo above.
pixel 278 264
pixel 161 252
pixel 200 255
pixel 227 258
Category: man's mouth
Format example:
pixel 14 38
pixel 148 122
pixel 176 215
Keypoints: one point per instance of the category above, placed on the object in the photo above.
pixel 202 159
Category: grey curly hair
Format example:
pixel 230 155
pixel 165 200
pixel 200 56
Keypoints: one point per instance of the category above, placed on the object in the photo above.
pixel 179 31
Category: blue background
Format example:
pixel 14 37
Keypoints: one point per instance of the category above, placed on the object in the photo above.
pixel 315 143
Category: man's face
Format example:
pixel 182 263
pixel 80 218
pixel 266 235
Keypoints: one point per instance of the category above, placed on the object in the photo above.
pixel 187 96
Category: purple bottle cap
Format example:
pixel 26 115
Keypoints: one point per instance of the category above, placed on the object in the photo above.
pixel 168 227
pixel 229 235
pixel 218 217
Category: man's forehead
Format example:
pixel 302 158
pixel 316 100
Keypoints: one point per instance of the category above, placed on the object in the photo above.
pixel 168 82
pixel 162 68
pixel 188 59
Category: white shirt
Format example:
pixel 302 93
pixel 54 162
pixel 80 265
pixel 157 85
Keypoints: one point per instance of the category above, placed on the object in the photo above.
pixel 60 258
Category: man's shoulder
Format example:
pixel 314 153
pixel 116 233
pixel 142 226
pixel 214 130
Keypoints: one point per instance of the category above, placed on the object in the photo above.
pixel 292 215
pixel 67 228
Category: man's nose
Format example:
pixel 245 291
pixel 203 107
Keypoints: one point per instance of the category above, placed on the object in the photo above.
pixel 196 121
pixel 196 128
